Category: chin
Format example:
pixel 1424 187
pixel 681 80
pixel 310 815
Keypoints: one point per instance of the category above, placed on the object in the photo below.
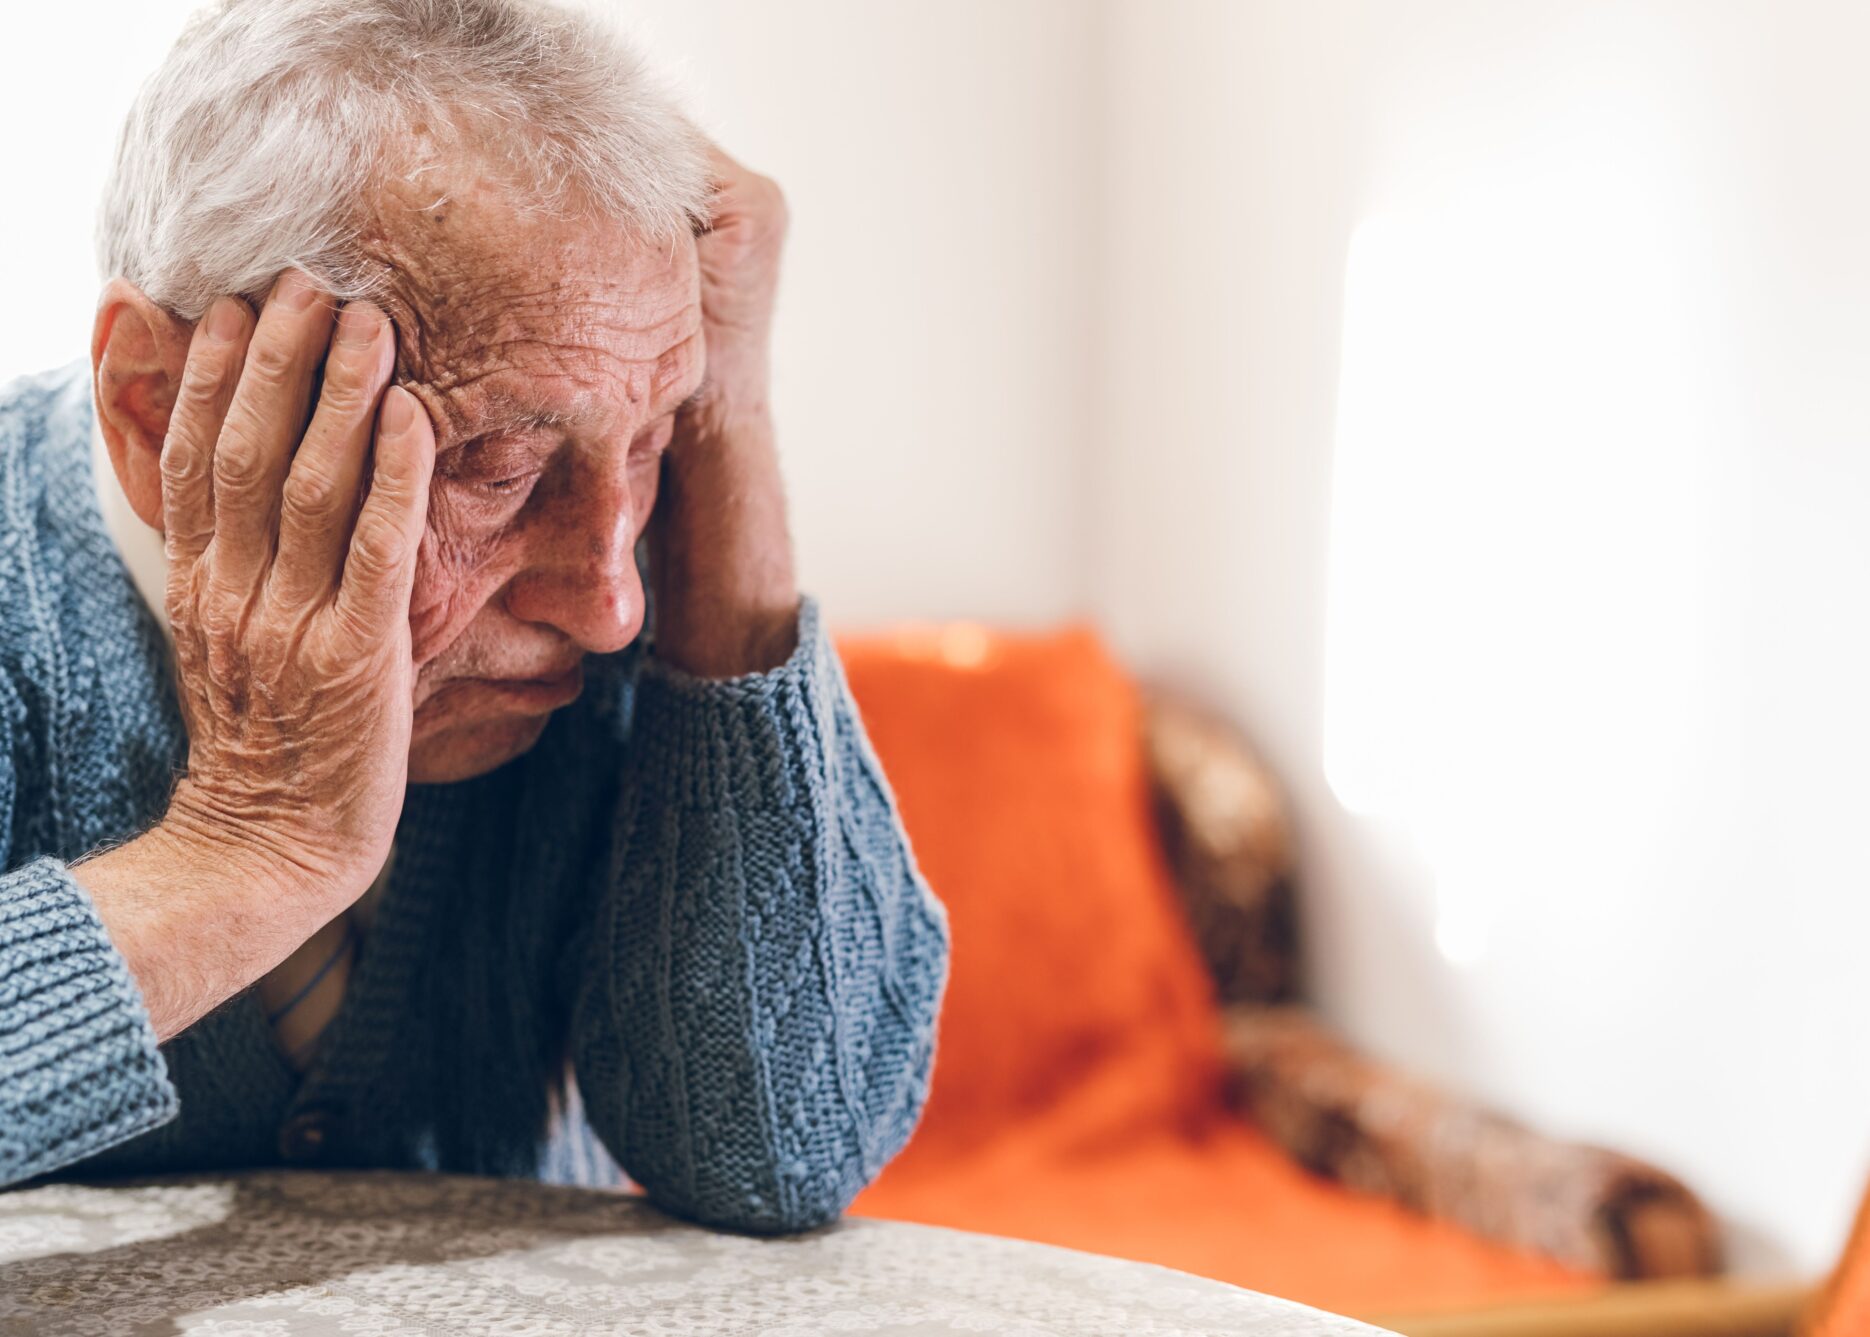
pixel 461 751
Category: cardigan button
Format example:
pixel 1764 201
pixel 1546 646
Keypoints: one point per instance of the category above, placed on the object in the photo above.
pixel 304 1136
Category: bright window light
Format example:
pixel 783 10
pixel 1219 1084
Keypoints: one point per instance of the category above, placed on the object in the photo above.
pixel 1517 552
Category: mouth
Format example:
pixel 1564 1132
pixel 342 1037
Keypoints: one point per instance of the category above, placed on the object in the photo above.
pixel 513 696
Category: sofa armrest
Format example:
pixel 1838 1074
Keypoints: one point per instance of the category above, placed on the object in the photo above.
pixel 1346 1117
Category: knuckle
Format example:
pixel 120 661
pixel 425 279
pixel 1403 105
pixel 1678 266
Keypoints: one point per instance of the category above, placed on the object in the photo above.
pixel 219 622
pixel 352 628
pixel 395 482
pixel 224 661
pixel 238 462
pixel 324 658
pixel 309 492
pixel 270 363
pixel 346 392
pixel 390 483
pixel 379 546
pixel 202 382
pixel 176 542
pixel 179 603
pixel 182 461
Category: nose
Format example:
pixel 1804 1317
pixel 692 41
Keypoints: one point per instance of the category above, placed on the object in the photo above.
pixel 580 574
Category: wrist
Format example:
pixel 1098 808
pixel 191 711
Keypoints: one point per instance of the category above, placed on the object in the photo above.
pixel 207 832
pixel 726 598
pixel 738 391
pixel 196 916
pixel 730 644
pixel 724 426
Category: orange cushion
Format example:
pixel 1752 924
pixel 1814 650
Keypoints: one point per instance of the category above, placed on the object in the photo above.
pixel 1076 1098
pixel 1017 764
pixel 1222 1202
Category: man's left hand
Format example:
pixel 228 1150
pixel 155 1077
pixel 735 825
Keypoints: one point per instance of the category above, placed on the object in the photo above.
pixel 727 601
pixel 739 253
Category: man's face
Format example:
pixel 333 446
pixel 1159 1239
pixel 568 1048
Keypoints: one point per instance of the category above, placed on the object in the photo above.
pixel 552 358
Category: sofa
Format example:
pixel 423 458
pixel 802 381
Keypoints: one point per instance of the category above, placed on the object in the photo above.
pixel 1126 1063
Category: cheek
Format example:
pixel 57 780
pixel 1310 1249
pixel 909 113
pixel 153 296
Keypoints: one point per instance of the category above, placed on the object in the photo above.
pixel 456 573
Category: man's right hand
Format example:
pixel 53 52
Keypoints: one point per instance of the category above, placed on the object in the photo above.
pixel 288 598
pixel 292 553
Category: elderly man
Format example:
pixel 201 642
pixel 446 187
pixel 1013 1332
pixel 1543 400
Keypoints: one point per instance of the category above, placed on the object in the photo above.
pixel 408 719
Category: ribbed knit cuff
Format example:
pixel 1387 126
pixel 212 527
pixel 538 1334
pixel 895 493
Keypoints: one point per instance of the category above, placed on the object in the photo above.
pixel 755 742
pixel 79 1065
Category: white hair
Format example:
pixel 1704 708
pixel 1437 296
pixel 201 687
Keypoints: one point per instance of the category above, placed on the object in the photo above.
pixel 256 144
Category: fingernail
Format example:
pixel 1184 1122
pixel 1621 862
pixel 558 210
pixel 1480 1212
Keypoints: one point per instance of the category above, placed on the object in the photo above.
pixel 358 325
pixel 398 410
pixel 294 291
pixel 225 320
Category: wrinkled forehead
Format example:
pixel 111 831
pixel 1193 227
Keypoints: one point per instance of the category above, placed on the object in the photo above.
pixel 505 314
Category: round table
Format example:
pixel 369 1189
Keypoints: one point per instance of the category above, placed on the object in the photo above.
pixel 279 1254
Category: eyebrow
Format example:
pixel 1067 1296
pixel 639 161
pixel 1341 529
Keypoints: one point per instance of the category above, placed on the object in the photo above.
pixel 506 414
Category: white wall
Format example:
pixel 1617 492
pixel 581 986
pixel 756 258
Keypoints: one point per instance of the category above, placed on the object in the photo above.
pixel 67 73
pixel 1470 395
pixel 1508 469
pixel 933 374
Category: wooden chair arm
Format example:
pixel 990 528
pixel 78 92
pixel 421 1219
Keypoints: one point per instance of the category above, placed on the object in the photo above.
pixel 1638 1309
pixel 1372 1128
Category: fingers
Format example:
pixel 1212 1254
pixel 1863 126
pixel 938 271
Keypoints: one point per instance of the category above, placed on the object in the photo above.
pixel 263 424
pixel 723 173
pixel 379 572
pixel 724 168
pixel 319 499
pixel 742 204
pixel 212 371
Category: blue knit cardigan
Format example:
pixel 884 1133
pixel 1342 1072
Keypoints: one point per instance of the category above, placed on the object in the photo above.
pixel 683 935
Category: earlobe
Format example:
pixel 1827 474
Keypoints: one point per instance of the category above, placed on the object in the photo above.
pixel 138 351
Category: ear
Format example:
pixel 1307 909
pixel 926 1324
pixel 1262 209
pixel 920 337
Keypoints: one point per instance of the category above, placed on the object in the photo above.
pixel 138 351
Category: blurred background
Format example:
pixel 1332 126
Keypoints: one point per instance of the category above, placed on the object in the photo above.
pixel 1468 399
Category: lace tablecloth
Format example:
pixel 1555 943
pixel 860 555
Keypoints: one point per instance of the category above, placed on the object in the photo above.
pixel 282 1254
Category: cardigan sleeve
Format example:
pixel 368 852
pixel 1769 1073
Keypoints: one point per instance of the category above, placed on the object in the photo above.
pixel 755 1024
pixel 79 1065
